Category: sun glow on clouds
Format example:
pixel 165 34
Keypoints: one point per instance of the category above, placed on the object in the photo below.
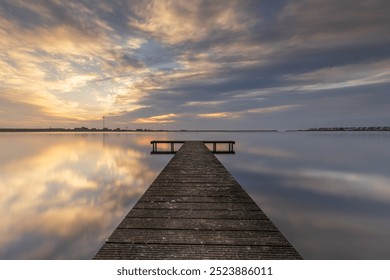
pixel 71 61
pixel 238 114
pixel 217 115
pixel 204 103
pixel 56 67
pixel 179 21
pixel 157 119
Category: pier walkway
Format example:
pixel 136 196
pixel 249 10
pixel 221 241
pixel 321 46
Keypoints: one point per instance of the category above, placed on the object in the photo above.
pixel 196 210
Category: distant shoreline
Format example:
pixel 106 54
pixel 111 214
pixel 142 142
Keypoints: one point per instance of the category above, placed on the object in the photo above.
pixel 93 130
pixel 359 128
pixel 129 130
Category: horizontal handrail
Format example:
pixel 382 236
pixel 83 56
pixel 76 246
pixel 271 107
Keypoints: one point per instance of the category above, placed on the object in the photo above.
pixel 182 141
pixel 173 142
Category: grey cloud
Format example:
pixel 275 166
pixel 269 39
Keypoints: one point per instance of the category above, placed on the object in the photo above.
pixel 47 13
pixel 120 60
pixel 132 61
pixel 334 17
pixel 225 51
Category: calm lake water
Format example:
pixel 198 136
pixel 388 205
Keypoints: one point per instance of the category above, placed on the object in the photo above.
pixel 62 194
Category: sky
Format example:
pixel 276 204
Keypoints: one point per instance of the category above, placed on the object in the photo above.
pixel 194 64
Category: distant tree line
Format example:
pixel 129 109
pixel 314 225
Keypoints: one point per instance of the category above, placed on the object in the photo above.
pixel 352 128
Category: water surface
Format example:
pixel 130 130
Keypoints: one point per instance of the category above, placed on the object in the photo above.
pixel 62 194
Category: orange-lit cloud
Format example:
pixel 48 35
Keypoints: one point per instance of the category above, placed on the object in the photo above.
pixel 204 103
pixel 217 115
pixel 176 22
pixel 56 68
pixel 271 109
pixel 239 114
pixel 157 119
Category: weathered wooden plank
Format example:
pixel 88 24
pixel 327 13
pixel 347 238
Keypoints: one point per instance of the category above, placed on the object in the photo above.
pixel 217 187
pixel 212 191
pixel 179 236
pixel 193 214
pixel 205 185
pixel 196 206
pixel 194 199
pixel 197 224
pixel 217 180
pixel 180 251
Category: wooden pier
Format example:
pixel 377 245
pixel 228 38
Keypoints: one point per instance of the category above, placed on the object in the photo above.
pixel 196 210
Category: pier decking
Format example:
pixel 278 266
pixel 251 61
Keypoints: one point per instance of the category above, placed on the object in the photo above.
pixel 196 210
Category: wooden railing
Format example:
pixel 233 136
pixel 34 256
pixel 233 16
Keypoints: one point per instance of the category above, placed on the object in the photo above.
pixel 172 143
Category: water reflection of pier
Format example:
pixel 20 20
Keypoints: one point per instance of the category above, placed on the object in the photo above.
pixel 196 210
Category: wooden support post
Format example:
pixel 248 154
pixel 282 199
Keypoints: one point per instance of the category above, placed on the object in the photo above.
pixel 214 147
pixel 172 147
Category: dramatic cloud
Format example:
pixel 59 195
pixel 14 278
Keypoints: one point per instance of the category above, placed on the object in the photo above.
pixel 194 64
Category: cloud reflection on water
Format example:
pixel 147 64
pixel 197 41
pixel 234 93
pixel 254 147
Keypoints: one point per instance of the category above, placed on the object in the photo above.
pixel 329 194
pixel 64 200
pixel 62 195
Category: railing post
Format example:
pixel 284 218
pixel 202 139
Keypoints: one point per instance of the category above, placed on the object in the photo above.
pixel 172 147
pixel 214 147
